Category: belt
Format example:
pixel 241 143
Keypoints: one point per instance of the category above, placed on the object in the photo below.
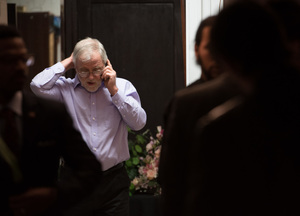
pixel 114 168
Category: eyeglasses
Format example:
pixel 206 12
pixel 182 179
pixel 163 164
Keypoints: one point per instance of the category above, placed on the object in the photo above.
pixel 30 61
pixel 85 74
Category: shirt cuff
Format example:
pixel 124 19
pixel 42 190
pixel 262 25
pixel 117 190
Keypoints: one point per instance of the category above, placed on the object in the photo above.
pixel 118 99
pixel 58 68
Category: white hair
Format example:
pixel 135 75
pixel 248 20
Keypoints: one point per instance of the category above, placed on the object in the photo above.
pixel 86 47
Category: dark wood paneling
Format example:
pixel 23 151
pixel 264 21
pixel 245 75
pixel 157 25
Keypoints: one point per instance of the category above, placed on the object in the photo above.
pixel 11 14
pixel 35 29
pixel 143 40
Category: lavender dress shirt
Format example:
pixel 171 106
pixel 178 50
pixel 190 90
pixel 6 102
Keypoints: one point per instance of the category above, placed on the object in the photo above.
pixel 101 119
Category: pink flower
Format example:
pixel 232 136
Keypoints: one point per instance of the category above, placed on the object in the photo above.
pixel 149 166
pixel 149 146
pixel 142 170
pixel 148 159
pixel 159 129
pixel 151 174
pixel 159 135
pixel 157 151
pixel 135 181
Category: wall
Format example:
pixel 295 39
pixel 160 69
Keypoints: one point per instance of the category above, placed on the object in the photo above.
pixel 196 10
pixel 53 6
pixel 3 12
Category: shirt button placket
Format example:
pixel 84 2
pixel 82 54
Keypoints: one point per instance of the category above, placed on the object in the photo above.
pixel 94 124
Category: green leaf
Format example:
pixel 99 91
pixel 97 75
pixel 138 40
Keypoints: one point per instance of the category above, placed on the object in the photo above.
pixel 128 163
pixel 131 187
pixel 138 148
pixel 132 173
pixel 134 153
pixel 129 130
pixel 135 160
pixel 152 183
pixel 130 143
pixel 140 139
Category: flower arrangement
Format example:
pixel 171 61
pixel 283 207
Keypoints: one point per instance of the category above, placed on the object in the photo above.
pixel 142 167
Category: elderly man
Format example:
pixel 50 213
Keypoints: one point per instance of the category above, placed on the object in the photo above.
pixel 102 107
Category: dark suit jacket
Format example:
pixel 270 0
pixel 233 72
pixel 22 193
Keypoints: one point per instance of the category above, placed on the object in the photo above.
pixel 181 115
pixel 245 159
pixel 48 134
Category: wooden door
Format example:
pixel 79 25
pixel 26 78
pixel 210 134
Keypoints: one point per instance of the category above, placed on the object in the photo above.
pixel 143 40
pixel 36 29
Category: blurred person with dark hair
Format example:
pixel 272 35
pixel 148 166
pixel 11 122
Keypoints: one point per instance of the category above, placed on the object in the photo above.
pixel 34 134
pixel 185 107
pixel 245 160
pixel 209 69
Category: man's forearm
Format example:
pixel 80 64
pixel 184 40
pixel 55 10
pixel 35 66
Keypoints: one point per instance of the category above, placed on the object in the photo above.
pixel 47 78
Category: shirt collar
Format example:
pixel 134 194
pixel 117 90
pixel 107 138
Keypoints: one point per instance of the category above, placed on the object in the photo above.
pixel 76 81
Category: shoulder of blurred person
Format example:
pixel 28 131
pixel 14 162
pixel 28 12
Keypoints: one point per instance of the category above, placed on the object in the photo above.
pixel 252 146
pixel 204 96
pixel 186 106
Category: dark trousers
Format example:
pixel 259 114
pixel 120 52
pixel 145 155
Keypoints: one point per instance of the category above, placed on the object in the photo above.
pixel 94 194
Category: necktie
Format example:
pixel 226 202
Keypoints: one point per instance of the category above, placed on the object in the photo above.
pixel 10 132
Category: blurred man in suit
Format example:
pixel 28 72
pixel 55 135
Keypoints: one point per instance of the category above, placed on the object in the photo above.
pixel 246 155
pixel 42 132
pixel 181 114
